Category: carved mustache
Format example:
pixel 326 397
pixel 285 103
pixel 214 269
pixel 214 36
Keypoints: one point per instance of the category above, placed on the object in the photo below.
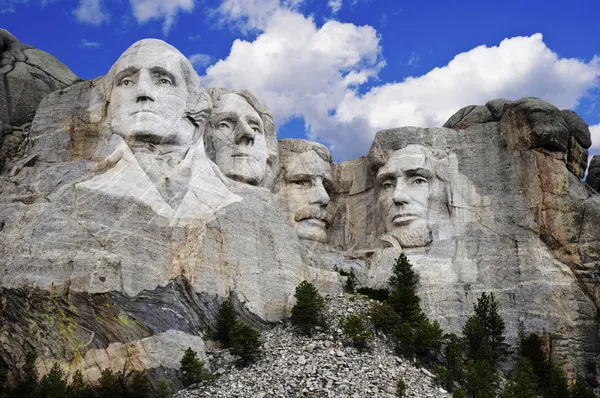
pixel 313 212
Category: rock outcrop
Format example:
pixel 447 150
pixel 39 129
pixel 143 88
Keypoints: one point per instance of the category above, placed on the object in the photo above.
pixel 593 177
pixel 118 234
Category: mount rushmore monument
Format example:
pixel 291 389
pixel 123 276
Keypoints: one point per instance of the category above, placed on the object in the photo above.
pixel 135 203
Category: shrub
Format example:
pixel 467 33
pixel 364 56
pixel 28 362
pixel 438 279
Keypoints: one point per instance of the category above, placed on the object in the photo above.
pixel 384 317
pixel 350 280
pixel 54 383
pixel 226 318
pixel 374 294
pixel 458 393
pixel 306 313
pixel 400 388
pixel 139 386
pixel 580 389
pixel 191 368
pixel 356 330
pixel 162 390
pixel 244 341
pixel 404 339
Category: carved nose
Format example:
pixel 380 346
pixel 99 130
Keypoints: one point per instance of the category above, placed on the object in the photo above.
pixel 244 135
pixel 319 194
pixel 144 92
pixel 400 196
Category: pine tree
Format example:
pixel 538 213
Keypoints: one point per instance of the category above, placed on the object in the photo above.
pixel 191 368
pixel 383 317
pixel 481 375
pixel 557 385
pixel 452 360
pixel 27 387
pixel 524 383
pixel 79 388
pixel 162 390
pixel 485 326
pixel 226 318
pixel 403 337
pixel 111 384
pixel 245 341
pixel 403 297
pixel 53 384
pixel 580 389
pixel 139 386
pixel 356 330
pixel 306 313
pixel 428 340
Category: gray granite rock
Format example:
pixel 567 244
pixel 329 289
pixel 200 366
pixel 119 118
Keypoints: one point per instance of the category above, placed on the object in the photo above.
pixel 593 176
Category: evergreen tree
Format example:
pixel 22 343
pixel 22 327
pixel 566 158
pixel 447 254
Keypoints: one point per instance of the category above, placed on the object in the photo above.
pixel 226 318
pixel 428 339
pixel 111 384
pixel 306 313
pixel 481 375
pixel 403 338
pixel 485 326
pixel 27 387
pixel 3 377
pixel 191 368
pixel 452 360
pixel 383 317
pixel 79 388
pixel 458 393
pixel 53 384
pixel 580 389
pixel 162 390
pixel 403 297
pixel 524 383
pixel 245 341
pixel 557 385
pixel 139 386
pixel 350 281
pixel 356 330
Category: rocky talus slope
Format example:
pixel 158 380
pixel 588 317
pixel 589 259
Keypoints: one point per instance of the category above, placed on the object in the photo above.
pixel 292 365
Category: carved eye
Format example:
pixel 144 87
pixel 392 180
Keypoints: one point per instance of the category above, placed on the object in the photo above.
pixel 255 129
pixel 165 81
pixel 302 183
pixel 224 124
pixel 388 184
pixel 419 180
pixel 126 81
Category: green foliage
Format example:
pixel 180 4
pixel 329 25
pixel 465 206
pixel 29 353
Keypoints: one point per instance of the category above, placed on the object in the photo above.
pixel 374 294
pixel 428 340
pixel 481 375
pixel 226 318
pixel 452 361
pixel 306 313
pixel 557 384
pixel 3 376
pixel 524 383
pixel 54 383
pixel 384 317
pixel 356 330
pixel 244 341
pixel 485 326
pixel 191 368
pixel 79 388
pixel 111 384
pixel 403 338
pixel 580 389
pixel 139 386
pixel 400 388
pixel 458 393
pixel 350 280
pixel 403 297
pixel 162 390
pixel 27 387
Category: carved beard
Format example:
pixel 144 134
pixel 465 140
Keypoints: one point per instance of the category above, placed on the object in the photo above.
pixel 417 235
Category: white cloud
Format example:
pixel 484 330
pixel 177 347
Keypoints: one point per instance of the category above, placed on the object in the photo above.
pixel 200 60
pixel 91 11
pixel 595 131
pixel 301 70
pixel 335 5
pixel 89 44
pixel 145 10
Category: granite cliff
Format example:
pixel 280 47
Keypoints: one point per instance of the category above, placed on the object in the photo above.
pixel 138 201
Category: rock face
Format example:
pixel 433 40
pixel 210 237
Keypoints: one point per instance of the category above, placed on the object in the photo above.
pixel 119 234
pixel 593 177
pixel 27 75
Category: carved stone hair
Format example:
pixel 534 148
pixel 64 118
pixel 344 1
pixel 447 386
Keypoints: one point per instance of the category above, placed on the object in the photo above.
pixel 198 105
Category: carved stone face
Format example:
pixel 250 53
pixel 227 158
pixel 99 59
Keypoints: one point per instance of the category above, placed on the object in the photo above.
pixel 307 190
pixel 238 138
pixel 407 191
pixel 149 95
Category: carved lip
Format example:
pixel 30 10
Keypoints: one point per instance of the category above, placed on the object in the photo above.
pixel 315 222
pixel 404 218
pixel 143 111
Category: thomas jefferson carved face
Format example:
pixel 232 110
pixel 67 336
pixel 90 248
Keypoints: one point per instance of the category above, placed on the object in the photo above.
pixel 149 95
pixel 238 139
pixel 407 192
pixel 308 185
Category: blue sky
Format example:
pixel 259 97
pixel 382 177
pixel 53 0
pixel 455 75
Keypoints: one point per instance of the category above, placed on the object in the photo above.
pixel 337 71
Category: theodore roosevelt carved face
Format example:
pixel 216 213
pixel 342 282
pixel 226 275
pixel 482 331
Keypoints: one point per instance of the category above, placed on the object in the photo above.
pixel 156 96
pixel 410 195
pixel 306 188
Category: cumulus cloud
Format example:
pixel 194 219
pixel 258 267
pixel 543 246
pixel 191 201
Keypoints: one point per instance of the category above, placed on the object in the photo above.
pixel 595 131
pixel 200 60
pixel 91 11
pixel 302 70
pixel 145 10
pixel 335 5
